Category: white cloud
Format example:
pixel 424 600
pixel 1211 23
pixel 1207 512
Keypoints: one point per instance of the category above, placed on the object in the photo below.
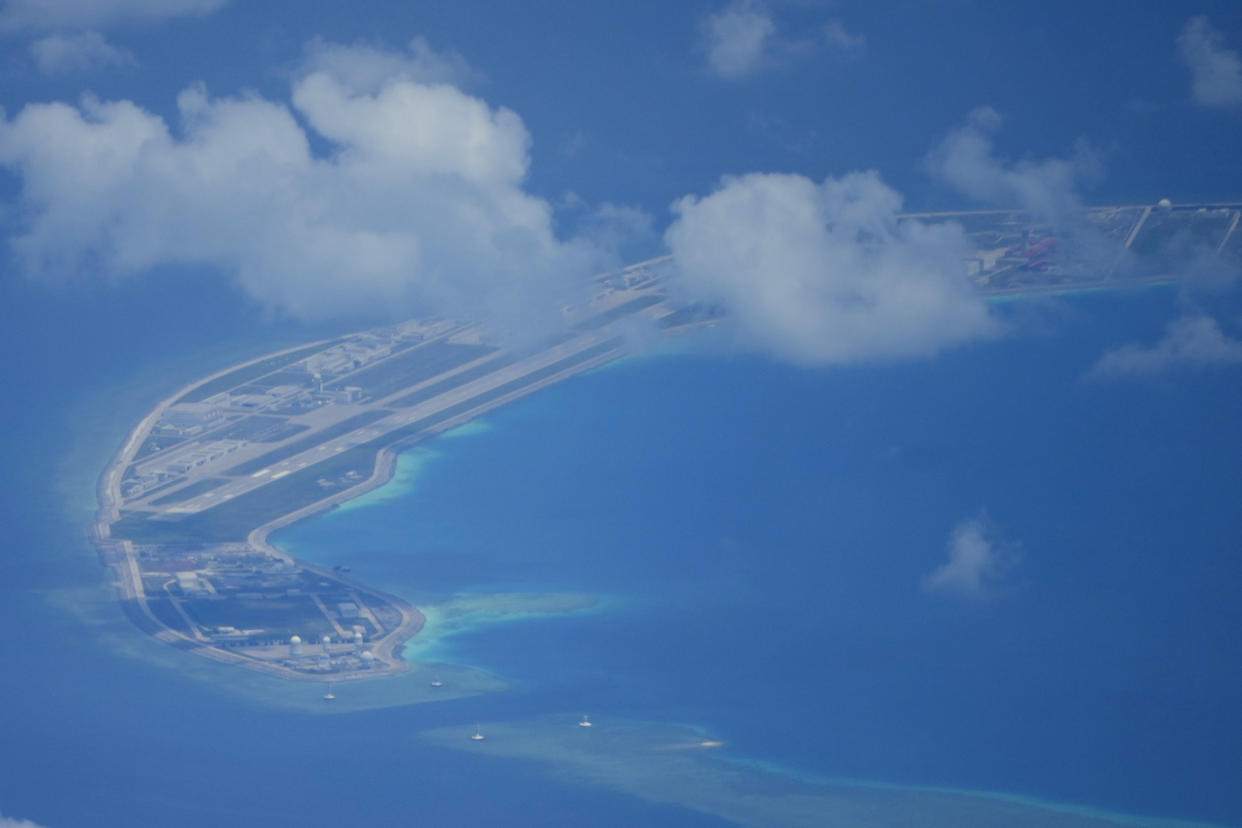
pixel 61 53
pixel 88 14
pixel 738 39
pixel 11 822
pixel 826 273
pixel 842 40
pixel 367 68
pixel 1188 342
pixel 419 207
pixel 978 562
pixel 966 160
pixel 1215 72
pixel 743 39
pixel 622 230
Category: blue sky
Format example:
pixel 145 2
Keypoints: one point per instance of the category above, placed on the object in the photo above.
pixel 384 159
pixel 622 105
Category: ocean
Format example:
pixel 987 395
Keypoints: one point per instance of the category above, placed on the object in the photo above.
pixel 703 540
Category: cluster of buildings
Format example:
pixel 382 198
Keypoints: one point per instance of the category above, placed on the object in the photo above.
pixel 359 351
pixel 189 418
pixel 339 655
pixel 263 597
pixel 177 464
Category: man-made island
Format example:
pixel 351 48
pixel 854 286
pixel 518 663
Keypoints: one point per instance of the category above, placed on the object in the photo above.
pixel 187 503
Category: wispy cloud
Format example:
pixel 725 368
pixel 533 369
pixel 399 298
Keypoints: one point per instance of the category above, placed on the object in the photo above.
pixel 11 822
pixel 59 54
pixel 842 40
pixel 418 206
pixel 368 67
pixel 738 39
pixel 826 273
pixel 966 160
pixel 94 14
pixel 1188 342
pixel 744 38
pixel 978 564
pixel 1215 71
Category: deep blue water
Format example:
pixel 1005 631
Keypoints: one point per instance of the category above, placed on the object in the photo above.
pixel 765 528
pixel 100 726
pixel 761 532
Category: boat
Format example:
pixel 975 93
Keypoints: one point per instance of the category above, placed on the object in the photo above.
pixel 478 734
pixel 435 682
pixel 328 696
pixel 586 721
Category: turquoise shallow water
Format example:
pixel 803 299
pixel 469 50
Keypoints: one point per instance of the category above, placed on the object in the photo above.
pixel 743 544
pixel 760 534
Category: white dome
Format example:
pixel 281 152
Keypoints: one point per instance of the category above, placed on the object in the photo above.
pixel 297 639
pixel 327 639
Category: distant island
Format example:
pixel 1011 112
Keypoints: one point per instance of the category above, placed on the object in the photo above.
pixel 187 503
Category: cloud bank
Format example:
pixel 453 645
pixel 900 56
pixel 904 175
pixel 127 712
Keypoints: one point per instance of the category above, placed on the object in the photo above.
pixel 1188 342
pixel 418 206
pixel 91 14
pixel 1215 72
pixel 58 54
pixel 978 562
pixel 826 273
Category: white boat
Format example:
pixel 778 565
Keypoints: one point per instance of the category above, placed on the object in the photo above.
pixel 435 682
pixel 586 721
pixel 478 734
pixel 328 696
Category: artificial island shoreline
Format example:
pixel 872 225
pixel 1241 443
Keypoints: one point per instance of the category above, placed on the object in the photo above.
pixel 182 564
pixel 187 504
